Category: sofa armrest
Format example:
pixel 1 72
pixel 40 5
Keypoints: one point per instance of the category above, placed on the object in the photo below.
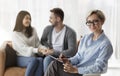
pixel 2 58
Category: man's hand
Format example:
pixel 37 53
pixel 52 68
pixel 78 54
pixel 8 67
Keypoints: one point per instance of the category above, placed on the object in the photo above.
pixel 46 51
pixel 49 52
pixel 41 50
pixel 69 68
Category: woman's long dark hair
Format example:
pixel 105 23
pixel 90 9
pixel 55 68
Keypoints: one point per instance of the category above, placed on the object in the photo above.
pixel 19 27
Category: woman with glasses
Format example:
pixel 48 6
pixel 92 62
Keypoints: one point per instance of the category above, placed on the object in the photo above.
pixel 93 52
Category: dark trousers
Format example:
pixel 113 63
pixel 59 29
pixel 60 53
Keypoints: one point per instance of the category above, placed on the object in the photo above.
pixel 56 69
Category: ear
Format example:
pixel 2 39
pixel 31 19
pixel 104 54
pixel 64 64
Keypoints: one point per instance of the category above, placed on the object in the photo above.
pixel 58 19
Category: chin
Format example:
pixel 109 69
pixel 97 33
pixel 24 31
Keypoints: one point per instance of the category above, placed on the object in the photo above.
pixel 53 25
pixel 93 30
pixel 27 26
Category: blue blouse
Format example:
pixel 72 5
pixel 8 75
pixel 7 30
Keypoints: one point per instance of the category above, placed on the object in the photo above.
pixel 92 56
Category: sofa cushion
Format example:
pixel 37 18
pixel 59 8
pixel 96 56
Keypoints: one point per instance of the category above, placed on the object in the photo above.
pixel 11 57
pixel 15 71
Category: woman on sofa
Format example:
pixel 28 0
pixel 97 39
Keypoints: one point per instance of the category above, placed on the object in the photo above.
pixel 26 42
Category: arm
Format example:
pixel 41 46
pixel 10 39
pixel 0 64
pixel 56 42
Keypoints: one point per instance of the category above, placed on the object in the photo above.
pixel 76 59
pixel 100 65
pixel 37 43
pixel 44 38
pixel 72 45
pixel 68 67
pixel 21 46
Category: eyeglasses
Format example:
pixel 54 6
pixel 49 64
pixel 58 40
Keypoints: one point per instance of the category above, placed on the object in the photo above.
pixel 94 22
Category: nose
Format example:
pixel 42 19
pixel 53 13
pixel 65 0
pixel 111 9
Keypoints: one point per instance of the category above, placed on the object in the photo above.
pixel 27 20
pixel 92 26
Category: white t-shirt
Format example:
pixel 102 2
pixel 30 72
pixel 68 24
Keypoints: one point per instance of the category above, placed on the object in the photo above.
pixel 58 38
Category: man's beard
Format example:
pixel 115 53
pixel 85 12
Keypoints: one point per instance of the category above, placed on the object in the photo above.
pixel 55 24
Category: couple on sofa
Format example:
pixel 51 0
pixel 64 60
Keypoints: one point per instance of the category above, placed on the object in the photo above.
pixel 56 39
pixel 59 40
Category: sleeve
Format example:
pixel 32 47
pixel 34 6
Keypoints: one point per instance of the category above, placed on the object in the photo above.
pixel 44 37
pixel 72 45
pixel 77 58
pixel 100 65
pixel 21 46
pixel 37 41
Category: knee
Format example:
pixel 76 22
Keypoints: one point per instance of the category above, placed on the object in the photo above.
pixel 52 64
pixel 47 59
pixel 40 60
pixel 34 60
pixel 55 62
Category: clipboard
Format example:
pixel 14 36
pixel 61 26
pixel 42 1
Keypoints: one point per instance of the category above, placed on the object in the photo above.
pixel 55 58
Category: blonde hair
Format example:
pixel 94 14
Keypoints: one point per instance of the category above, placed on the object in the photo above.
pixel 99 13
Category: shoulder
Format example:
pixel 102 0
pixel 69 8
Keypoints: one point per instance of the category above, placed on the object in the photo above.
pixel 49 27
pixel 70 30
pixel 106 41
pixel 106 45
pixel 34 30
pixel 34 34
pixel 15 33
pixel 87 36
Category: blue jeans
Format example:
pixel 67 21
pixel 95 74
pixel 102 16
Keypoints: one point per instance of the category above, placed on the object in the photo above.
pixel 34 66
pixel 46 62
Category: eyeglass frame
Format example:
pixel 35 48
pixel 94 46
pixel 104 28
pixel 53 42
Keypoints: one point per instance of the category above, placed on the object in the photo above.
pixel 94 22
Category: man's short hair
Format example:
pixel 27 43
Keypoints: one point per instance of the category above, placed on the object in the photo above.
pixel 58 12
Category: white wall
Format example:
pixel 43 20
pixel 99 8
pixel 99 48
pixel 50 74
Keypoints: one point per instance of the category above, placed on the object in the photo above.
pixel 112 72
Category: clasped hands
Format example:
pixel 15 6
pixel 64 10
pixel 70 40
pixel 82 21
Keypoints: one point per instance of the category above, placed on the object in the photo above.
pixel 67 66
pixel 46 51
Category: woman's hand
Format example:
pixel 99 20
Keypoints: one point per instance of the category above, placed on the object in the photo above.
pixel 69 68
pixel 67 65
pixel 63 59
pixel 41 50
pixel 46 51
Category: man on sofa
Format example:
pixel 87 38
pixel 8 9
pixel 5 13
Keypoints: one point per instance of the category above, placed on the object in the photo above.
pixel 58 37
